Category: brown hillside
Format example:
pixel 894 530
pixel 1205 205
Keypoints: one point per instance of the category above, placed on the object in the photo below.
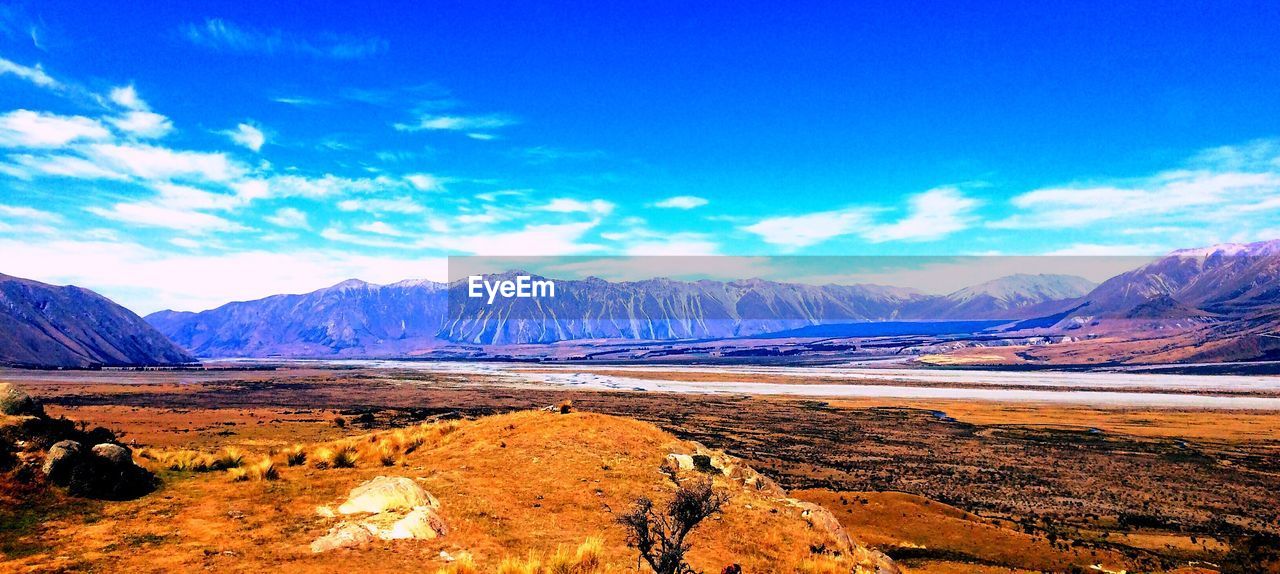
pixel 508 486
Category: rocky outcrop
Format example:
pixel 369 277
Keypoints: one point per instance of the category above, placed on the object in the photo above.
pixel 387 493
pixel 14 402
pixel 397 508
pixel 707 461
pixel 61 458
pixel 105 471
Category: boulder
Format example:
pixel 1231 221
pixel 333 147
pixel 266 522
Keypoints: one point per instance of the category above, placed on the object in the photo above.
pixel 387 493
pixel 423 523
pixel 678 462
pixel 63 457
pixel 15 402
pixel 115 454
pixel 343 535
pixel 108 471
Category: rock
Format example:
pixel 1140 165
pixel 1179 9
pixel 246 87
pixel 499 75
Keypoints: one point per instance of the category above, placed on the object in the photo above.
pixel 423 523
pixel 15 402
pixel 108 471
pixel 63 457
pixel 387 493
pixel 702 463
pixel 115 454
pixel 679 462
pixel 344 535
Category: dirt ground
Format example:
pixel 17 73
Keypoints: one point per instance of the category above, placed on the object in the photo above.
pixel 940 485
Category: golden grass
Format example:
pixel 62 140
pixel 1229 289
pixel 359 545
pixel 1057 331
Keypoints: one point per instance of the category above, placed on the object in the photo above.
pixel 295 455
pixel 529 487
pixel 588 558
pixel 463 564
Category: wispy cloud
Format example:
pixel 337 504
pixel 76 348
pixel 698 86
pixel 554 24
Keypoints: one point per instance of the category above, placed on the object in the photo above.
pixel 568 205
pixel 431 122
pixel 403 205
pixel 219 34
pixel 34 74
pixel 25 128
pixel 289 217
pixel 932 215
pixel 137 119
pixel 681 202
pixel 247 136
pixel 1221 185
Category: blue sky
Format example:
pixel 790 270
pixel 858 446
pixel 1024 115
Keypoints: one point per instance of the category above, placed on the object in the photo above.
pixel 182 155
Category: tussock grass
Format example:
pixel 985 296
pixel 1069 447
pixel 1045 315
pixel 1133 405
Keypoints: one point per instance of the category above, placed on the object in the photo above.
pixel 264 469
pixel 230 457
pixel 295 455
pixel 588 558
pixel 463 564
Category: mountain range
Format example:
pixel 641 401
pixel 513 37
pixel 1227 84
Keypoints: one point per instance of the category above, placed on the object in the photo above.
pixel 50 326
pixel 358 319
pixel 1221 292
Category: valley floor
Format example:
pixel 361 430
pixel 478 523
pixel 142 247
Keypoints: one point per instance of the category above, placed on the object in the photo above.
pixel 941 485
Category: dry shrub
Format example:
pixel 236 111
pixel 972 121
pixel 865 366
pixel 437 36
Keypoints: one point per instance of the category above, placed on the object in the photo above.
pixel 181 460
pixel 230 457
pixel 345 456
pixel 238 474
pixel 265 469
pixel 295 455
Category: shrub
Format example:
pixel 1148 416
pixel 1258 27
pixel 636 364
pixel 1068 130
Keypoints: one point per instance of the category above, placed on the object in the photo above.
pixel 295 456
pixel 265 469
pixel 659 536
pixel 230 457
pixel 345 456
pixel 322 457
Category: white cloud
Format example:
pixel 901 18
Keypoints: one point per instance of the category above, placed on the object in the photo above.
pixel 681 202
pixel 143 124
pixel 378 205
pixel 25 128
pixel 425 182
pixel 127 97
pixel 431 122
pixel 567 205
pixel 28 166
pixel 152 214
pixel 151 162
pixel 289 217
pixel 933 214
pixel 795 231
pixel 218 34
pixel 29 213
pixel 34 74
pixel 381 228
pixel 532 240
pixel 247 136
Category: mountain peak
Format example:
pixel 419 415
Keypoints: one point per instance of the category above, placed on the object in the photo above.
pixel 1271 247
pixel 351 284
